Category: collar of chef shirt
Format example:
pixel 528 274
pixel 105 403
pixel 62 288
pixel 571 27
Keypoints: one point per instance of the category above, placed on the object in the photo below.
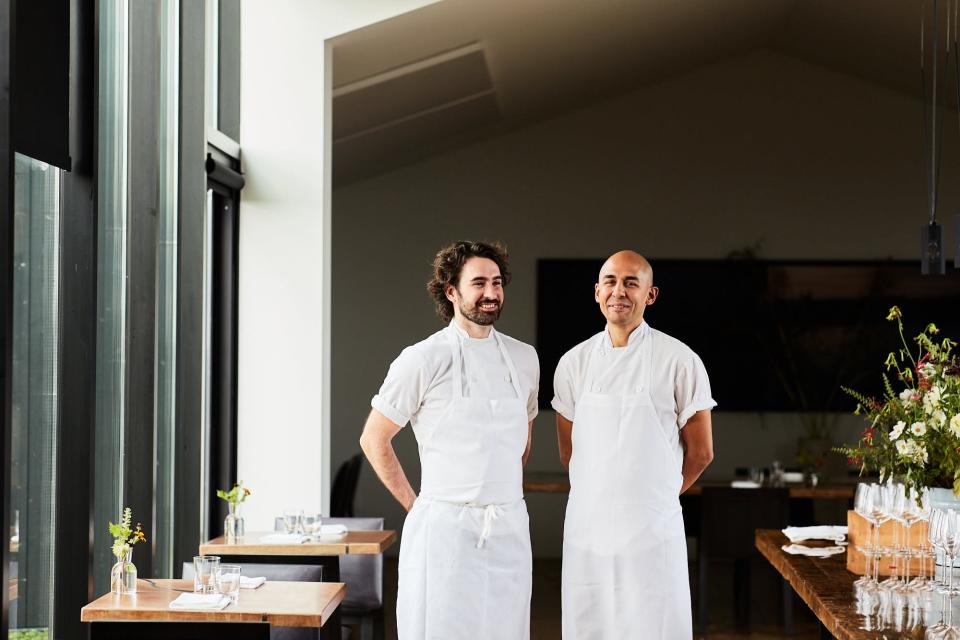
pixel 636 336
pixel 465 338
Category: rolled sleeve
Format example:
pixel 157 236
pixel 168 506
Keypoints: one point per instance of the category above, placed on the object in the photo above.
pixel 563 390
pixel 402 391
pixel 692 389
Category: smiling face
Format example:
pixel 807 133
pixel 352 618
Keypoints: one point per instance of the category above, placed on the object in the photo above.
pixel 624 289
pixel 478 296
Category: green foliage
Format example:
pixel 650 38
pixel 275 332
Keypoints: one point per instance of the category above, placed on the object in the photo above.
pixel 124 536
pixel 29 634
pixel 237 494
pixel 913 435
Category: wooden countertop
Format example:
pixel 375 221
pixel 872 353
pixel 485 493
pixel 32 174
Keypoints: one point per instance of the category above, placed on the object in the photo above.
pixel 350 543
pixel 824 584
pixel 548 482
pixel 284 604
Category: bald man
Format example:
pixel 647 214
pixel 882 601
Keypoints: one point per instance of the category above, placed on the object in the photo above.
pixel 633 423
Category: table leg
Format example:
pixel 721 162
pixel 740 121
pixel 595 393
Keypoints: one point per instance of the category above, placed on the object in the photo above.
pixel 333 629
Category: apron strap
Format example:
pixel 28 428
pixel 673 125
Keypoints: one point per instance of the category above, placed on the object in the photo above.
pixel 456 347
pixel 457 365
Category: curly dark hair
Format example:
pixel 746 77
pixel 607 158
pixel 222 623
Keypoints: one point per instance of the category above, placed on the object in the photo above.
pixel 449 263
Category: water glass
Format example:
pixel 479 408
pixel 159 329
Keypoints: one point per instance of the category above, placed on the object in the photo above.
pixel 311 523
pixel 205 573
pixel 228 581
pixel 293 520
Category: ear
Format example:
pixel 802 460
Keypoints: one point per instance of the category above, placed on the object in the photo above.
pixel 451 293
pixel 652 295
pixel 596 292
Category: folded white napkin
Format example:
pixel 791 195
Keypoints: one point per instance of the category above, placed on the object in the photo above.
pixel 745 484
pixel 332 530
pixel 251 583
pixel 205 601
pixel 284 538
pixel 817 552
pixel 836 533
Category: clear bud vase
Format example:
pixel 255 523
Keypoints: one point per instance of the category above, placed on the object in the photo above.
pixel 123 575
pixel 233 523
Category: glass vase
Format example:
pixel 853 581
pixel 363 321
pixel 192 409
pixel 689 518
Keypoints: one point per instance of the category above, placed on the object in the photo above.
pixel 123 575
pixel 233 524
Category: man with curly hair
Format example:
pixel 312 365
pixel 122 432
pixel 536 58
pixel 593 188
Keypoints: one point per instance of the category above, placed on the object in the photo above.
pixel 470 394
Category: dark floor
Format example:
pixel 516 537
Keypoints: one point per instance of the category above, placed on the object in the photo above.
pixel 765 604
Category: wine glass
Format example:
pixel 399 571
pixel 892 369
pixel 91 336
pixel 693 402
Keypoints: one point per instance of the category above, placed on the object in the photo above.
pixel 863 506
pixel 892 506
pixel 933 536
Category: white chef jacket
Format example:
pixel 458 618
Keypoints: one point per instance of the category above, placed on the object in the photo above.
pixel 679 386
pixel 418 386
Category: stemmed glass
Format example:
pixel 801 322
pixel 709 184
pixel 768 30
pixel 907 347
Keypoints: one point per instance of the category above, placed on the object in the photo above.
pixel 892 507
pixel 948 531
pixel 933 536
pixel 863 505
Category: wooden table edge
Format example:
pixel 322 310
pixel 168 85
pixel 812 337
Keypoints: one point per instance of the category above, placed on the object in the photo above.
pixel 324 548
pixel 773 553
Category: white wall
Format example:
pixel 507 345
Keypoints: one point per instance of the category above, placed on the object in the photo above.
pixel 284 327
pixel 762 147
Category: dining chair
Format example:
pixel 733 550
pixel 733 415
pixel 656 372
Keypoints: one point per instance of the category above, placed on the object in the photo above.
pixel 363 575
pixel 728 520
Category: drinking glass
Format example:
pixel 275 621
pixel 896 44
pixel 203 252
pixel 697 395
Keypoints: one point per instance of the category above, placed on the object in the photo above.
pixel 228 581
pixel 293 520
pixel 863 506
pixel 311 523
pixel 891 507
pixel 204 573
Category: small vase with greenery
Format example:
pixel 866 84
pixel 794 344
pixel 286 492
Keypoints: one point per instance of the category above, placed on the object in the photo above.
pixel 123 575
pixel 233 527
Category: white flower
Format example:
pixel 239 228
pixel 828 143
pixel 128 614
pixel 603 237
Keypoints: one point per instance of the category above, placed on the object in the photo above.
pixel 897 430
pixel 906 394
pixel 920 455
pixel 904 448
pixel 918 428
pixel 955 425
pixel 939 418
pixel 931 399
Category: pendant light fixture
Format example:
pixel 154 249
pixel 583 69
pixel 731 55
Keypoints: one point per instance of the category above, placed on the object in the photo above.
pixel 931 234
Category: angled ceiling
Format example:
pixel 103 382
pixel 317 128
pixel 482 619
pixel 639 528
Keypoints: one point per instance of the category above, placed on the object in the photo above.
pixel 460 70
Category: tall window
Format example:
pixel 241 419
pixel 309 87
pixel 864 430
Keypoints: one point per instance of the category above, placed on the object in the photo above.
pixel 36 330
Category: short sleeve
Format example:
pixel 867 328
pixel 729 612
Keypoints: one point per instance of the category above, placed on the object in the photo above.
pixel 533 403
pixel 402 391
pixel 692 390
pixel 564 394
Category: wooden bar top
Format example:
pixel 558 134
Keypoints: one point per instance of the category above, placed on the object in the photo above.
pixel 350 543
pixel 825 586
pixel 283 604
pixel 546 482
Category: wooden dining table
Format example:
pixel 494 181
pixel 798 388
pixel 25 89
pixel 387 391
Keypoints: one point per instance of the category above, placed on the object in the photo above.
pixel 325 551
pixel 146 615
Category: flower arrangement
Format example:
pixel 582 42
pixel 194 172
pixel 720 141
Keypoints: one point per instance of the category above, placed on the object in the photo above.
pixel 237 494
pixel 123 536
pixel 913 433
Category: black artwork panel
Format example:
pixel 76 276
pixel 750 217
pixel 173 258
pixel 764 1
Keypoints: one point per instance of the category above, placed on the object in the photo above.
pixel 773 335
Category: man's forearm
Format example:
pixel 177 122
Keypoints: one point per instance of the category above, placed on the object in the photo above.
pixel 385 463
pixel 692 468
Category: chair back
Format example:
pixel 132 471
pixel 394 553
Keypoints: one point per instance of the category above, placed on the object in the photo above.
pixel 344 488
pixel 729 517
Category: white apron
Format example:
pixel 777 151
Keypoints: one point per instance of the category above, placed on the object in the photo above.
pixel 624 549
pixel 465 562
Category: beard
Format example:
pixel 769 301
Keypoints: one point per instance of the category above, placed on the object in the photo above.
pixel 477 316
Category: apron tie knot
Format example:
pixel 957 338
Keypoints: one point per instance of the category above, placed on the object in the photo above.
pixel 491 512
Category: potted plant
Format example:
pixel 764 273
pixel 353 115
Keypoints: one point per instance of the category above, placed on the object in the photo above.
pixel 913 431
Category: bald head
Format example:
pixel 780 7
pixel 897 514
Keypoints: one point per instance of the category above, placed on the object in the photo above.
pixel 624 290
pixel 627 261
